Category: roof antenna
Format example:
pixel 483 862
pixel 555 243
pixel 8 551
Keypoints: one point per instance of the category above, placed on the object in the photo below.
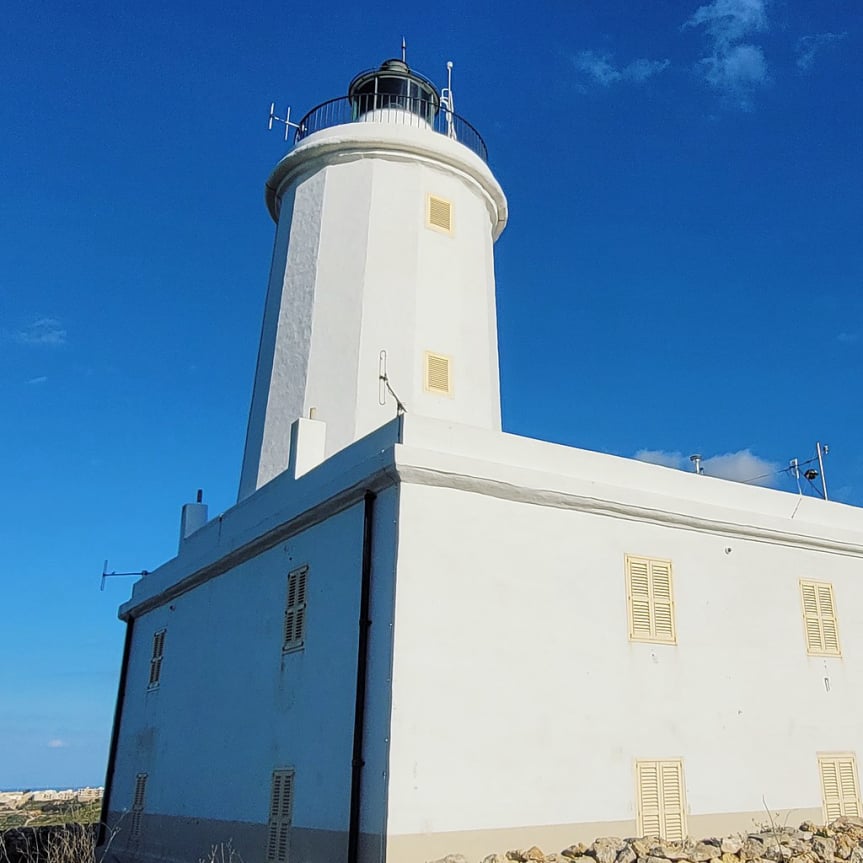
pixel 404 51
pixel 446 100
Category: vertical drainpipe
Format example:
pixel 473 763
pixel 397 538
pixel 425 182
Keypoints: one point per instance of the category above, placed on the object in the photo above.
pixel 362 663
pixel 115 732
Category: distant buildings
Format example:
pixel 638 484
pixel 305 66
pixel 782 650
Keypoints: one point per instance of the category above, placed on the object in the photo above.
pixel 20 799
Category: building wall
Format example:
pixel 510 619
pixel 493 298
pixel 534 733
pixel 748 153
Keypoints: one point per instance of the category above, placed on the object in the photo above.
pixel 231 707
pixel 520 704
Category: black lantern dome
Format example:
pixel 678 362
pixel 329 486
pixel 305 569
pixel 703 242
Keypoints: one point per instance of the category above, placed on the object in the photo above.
pixel 394 86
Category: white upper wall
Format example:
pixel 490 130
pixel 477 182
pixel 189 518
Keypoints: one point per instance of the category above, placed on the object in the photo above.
pixel 513 663
pixel 357 270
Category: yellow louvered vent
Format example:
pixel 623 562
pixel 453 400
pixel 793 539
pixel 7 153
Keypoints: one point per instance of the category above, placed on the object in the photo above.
pixel 661 799
pixel 279 822
pixel 138 805
pixel 650 599
pixel 295 609
pixel 819 618
pixel 839 786
pixel 439 214
pixel 438 377
pixel 156 659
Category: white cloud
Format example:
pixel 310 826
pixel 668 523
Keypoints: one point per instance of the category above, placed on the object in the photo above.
pixel 601 70
pixel 736 70
pixel 809 46
pixel 733 67
pixel 40 380
pixel 666 459
pixel 56 743
pixel 44 331
pixel 728 21
pixel 740 466
pixel 847 338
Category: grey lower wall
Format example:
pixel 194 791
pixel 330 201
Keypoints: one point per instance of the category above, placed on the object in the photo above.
pixel 168 838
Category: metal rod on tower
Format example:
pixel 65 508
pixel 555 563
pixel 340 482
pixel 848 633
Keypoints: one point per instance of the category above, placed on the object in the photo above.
pixel 404 50
pixel 821 453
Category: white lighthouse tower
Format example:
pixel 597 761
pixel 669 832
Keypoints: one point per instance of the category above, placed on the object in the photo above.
pixel 381 291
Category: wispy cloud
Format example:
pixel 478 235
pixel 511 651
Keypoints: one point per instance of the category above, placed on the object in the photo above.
pixel 740 466
pixel 40 380
pixel 600 68
pixel 809 46
pixel 847 338
pixel 44 331
pixel 733 67
pixel 56 743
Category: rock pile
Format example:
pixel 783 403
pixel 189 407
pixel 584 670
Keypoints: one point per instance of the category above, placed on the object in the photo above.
pixel 840 841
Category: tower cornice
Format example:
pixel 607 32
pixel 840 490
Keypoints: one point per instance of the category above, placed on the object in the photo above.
pixel 350 142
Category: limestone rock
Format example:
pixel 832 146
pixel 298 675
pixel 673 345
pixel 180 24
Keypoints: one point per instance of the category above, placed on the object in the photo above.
pixel 626 855
pixel 730 845
pixel 606 849
pixel 824 847
pixel 577 850
pixel 452 858
pixel 494 858
pixel 704 852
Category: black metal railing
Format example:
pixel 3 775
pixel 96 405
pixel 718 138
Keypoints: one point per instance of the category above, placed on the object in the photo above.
pixel 392 108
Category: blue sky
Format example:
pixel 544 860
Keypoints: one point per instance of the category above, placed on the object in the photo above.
pixel 681 271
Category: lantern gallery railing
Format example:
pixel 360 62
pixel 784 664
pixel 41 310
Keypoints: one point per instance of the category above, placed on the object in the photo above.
pixel 392 108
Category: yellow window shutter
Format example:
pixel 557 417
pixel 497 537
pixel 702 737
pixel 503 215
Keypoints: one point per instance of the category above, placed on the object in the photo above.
pixel 848 786
pixel 661 799
pixel 663 604
pixel 673 809
pixel 650 599
pixel 819 618
pixel 649 808
pixel 827 612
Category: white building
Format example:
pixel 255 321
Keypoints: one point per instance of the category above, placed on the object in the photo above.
pixel 416 634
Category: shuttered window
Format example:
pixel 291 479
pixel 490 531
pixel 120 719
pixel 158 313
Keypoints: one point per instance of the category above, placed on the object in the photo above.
pixel 137 805
pixel 650 599
pixel 156 658
pixel 439 214
pixel 839 786
pixel 279 823
pixel 295 609
pixel 661 799
pixel 438 377
pixel 819 618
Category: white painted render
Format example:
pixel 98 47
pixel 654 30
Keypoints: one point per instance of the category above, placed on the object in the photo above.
pixel 513 666
pixel 356 271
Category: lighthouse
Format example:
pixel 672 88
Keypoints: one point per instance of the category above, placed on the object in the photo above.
pixel 381 291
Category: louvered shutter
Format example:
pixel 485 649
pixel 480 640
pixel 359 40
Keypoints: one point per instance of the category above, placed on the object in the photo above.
pixel 848 786
pixel 279 826
pixel 811 618
pixel 295 609
pixel 827 613
pixel 649 805
pixel 138 805
pixel 156 659
pixel 673 812
pixel 639 598
pixel 663 604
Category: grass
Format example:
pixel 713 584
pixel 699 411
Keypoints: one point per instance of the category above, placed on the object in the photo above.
pixel 51 814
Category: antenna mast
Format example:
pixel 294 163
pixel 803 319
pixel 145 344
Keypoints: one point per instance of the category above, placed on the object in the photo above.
pixel 286 120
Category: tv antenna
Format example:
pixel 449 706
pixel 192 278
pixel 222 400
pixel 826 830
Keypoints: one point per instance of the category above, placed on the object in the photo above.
pixel 106 574
pixel 286 120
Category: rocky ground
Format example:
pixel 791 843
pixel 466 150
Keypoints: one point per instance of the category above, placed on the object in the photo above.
pixel 810 843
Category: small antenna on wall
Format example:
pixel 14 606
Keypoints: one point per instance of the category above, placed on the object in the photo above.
pixel 384 386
